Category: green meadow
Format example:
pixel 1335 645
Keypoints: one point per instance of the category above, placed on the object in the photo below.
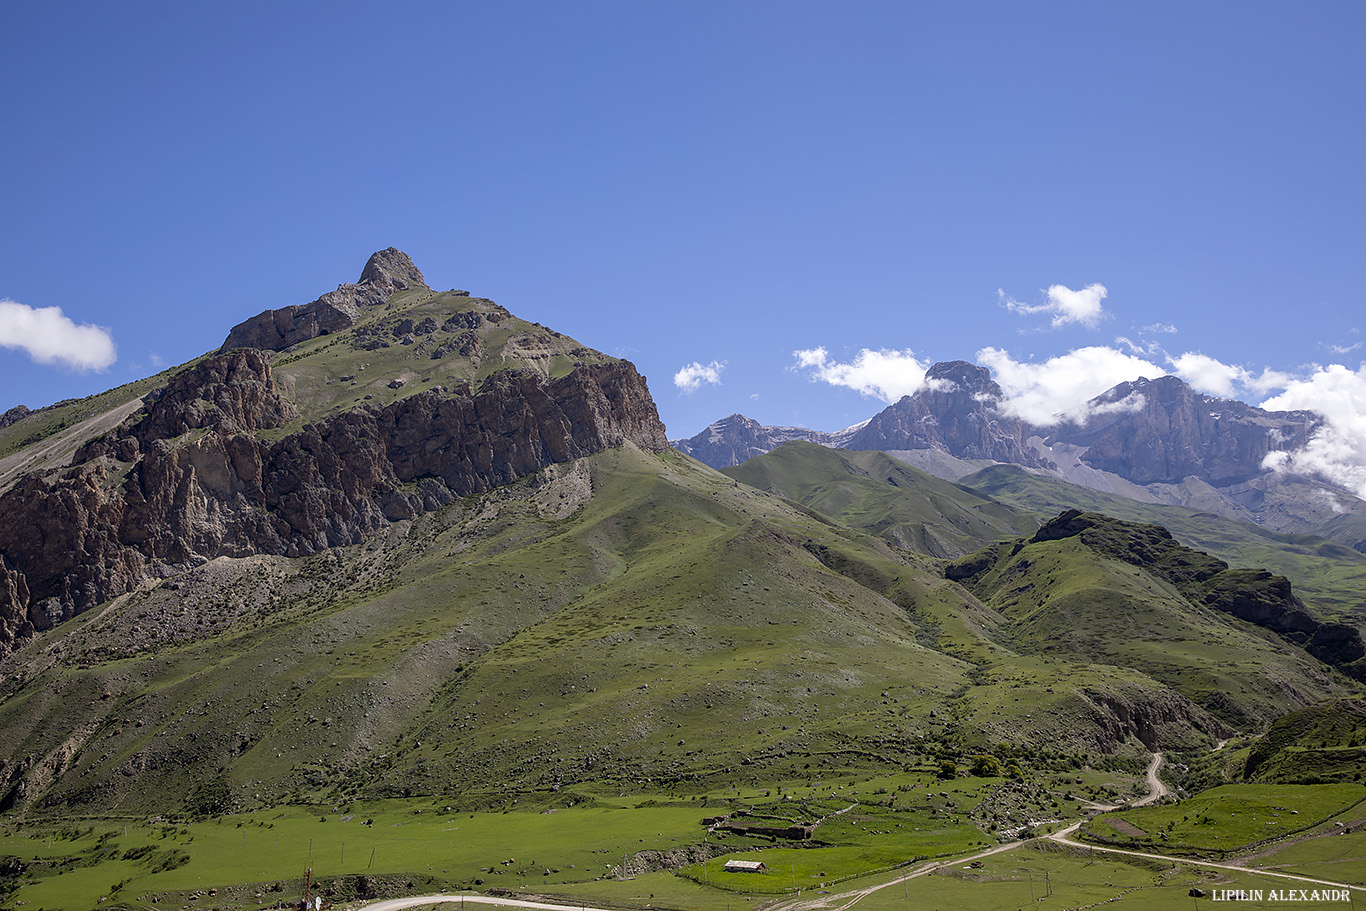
pixel 862 824
pixel 1227 818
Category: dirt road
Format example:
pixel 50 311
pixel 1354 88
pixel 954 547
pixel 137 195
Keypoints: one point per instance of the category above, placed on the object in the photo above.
pixel 1156 789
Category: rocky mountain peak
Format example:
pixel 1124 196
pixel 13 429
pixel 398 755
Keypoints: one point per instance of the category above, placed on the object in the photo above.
pixel 954 412
pixel 391 270
pixel 963 376
pixel 1163 430
pixel 386 272
pixel 736 438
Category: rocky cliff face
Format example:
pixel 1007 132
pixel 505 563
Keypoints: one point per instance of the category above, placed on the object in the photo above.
pixel 191 476
pixel 1173 432
pixel 956 412
pixel 385 272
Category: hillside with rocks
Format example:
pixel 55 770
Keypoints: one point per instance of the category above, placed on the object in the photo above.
pixel 220 461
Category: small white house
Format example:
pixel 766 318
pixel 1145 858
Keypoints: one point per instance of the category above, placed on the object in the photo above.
pixel 745 866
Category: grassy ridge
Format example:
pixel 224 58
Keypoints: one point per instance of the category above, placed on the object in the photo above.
pixel 1329 576
pixel 1321 743
pixel 879 495
pixel 1073 598
pixel 1226 819
pixel 627 618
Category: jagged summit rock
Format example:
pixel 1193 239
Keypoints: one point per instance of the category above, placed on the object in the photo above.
pixel 957 412
pixel 1144 432
pixel 391 269
pixel 386 272
pixel 964 376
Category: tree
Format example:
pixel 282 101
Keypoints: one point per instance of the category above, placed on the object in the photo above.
pixel 986 766
pixel 948 769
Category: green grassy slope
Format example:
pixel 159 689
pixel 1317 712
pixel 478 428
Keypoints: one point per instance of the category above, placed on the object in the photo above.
pixel 1122 594
pixel 877 494
pixel 1330 577
pixel 625 618
pixel 570 626
pixel 330 374
pixel 1324 742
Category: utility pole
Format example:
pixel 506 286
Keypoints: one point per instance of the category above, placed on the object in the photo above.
pixel 1031 885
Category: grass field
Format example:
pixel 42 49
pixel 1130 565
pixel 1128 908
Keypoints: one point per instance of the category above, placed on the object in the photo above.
pixel 646 848
pixel 258 859
pixel 1225 819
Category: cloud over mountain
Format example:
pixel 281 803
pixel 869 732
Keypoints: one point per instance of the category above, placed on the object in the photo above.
pixel 885 374
pixel 1337 451
pixel 690 377
pixel 1067 306
pixel 1213 377
pixel 49 337
pixel 1044 393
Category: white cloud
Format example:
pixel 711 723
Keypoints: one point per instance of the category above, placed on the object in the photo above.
pixel 1164 328
pixel 1337 450
pixel 884 374
pixel 691 376
pixel 1066 305
pixel 1048 392
pixel 1214 377
pixel 49 336
pixel 1344 349
pixel 1145 347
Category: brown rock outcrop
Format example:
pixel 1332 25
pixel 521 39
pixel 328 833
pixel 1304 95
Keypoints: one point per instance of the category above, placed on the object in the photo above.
pixel 189 481
pixel 386 272
pixel 17 413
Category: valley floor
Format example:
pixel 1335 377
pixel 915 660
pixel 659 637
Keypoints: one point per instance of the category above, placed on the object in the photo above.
pixel 1295 889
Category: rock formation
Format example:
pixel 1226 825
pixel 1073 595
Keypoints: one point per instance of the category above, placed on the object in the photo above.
pixel 189 477
pixel 957 411
pixel 1173 432
pixel 385 272
pixel 1147 431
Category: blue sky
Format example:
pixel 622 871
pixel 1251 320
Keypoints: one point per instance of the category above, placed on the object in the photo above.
pixel 718 184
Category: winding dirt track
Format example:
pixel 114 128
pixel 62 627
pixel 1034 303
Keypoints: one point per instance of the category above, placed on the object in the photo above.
pixel 844 900
pixel 1156 789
